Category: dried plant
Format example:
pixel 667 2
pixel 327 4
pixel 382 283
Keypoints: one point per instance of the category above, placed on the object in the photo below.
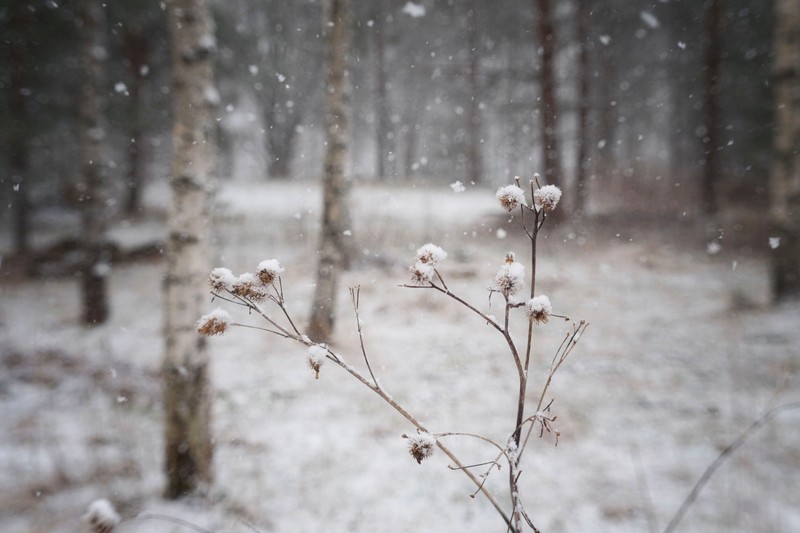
pixel 265 288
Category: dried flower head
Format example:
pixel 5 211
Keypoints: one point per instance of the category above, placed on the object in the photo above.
pixel 216 322
pixel 510 278
pixel 510 197
pixel 101 516
pixel 422 273
pixel 316 357
pixel 539 309
pixel 546 199
pixel 221 279
pixel 421 445
pixel 249 286
pixel 269 270
pixel 431 254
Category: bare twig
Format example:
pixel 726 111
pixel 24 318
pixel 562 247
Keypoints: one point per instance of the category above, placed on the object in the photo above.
pixel 173 520
pixel 725 454
pixel 355 293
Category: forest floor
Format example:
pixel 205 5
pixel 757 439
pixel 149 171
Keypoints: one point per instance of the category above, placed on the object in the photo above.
pixel 682 353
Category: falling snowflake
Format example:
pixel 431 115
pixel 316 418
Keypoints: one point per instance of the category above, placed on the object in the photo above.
pixel 414 10
pixel 457 187
pixel 774 242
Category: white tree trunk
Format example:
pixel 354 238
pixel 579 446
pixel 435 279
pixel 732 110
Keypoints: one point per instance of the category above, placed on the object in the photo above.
pixel 93 186
pixel 785 180
pixel 332 254
pixel 187 395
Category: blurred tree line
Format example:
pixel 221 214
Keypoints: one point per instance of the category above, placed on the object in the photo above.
pixel 453 94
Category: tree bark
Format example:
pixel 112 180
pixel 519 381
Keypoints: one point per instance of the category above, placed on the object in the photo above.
pixel 712 138
pixel 187 389
pixel 332 253
pixel 18 138
pixel 94 266
pixel 137 53
pixel 474 127
pixel 548 109
pixel 582 163
pixel 385 145
pixel 785 179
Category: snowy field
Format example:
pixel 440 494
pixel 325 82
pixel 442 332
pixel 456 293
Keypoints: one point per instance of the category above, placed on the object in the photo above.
pixel 682 354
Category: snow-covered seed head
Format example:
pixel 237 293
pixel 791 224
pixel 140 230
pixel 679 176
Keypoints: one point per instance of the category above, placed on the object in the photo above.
pixel 101 517
pixel 316 357
pixel 510 278
pixel 249 286
pixel 546 199
pixel 221 279
pixel 216 322
pixel 422 273
pixel 431 254
pixel 269 270
pixel 421 445
pixel 510 197
pixel 539 309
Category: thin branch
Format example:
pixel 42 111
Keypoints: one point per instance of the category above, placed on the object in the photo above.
pixel 493 463
pixel 355 294
pixel 725 454
pixel 261 329
pixel 475 436
pixel 173 520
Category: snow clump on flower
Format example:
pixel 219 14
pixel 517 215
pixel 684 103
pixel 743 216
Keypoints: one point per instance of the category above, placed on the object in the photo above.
pixel 510 197
pixel 268 270
pixel 316 357
pixel 101 516
pixel 546 199
pixel 422 273
pixel 539 309
pixel 427 259
pixel 510 278
pixel 421 445
pixel 249 286
pixel 216 322
pixel 431 254
pixel 221 279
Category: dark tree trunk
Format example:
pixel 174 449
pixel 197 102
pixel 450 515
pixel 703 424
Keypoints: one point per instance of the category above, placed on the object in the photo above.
pixel 474 147
pixel 187 390
pixel 712 118
pixel 384 135
pixel 18 133
pixel 281 136
pixel 332 254
pixel 785 179
pixel 582 163
pixel 548 109
pixel 137 53
pixel 94 268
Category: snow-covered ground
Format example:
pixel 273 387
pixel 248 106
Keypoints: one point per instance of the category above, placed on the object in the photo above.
pixel 682 354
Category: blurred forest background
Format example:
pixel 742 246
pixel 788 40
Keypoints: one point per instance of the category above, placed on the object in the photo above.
pixel 681 116
pixel 675 94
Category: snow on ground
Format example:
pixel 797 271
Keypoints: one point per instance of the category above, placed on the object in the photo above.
pixel 681 355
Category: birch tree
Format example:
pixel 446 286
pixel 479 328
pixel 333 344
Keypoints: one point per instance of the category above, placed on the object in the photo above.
pixel 785 181
pixel 332 253
pixel 94 129
pixel 187 394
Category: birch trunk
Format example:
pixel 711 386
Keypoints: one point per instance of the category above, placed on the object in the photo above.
pixel 332 254
pixel 94 267
pixel 187 390
pixel 785 179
